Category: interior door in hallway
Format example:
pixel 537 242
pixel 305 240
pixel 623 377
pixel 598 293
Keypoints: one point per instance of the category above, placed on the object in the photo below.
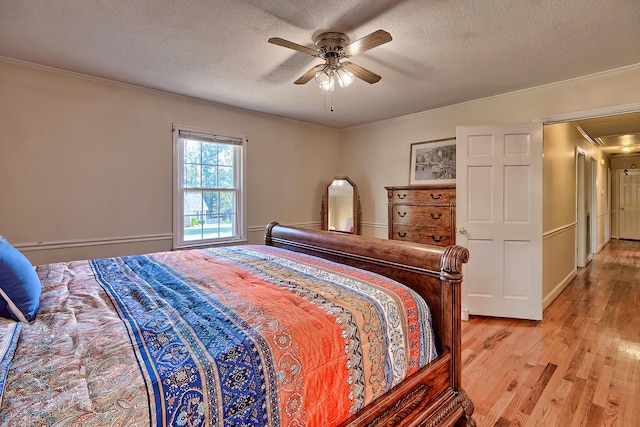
pixel 499 218
pixel 629 183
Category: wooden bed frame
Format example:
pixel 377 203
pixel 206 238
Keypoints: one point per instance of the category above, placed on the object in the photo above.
pixel 433 396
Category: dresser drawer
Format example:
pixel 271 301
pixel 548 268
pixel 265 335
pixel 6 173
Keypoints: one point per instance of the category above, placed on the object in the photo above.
pixel 426 216
pixel 440 197
pixel 422 235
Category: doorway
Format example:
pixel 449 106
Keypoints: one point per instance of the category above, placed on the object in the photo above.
pixel 582 223
pixel 593 198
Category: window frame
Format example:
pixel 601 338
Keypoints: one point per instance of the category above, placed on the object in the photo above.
pixel 179 190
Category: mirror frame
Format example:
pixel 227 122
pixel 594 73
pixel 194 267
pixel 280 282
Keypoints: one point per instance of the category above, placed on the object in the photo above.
pixel 356 206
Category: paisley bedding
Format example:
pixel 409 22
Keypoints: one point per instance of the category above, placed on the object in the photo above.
pixel 233 336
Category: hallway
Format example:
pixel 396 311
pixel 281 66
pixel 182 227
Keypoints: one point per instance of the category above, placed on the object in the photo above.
pixel 579 366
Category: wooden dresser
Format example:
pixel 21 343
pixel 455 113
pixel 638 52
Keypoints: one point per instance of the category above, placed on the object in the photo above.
pixel 423 214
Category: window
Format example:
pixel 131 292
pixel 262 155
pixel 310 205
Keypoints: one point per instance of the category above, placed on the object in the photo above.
pixel 208 193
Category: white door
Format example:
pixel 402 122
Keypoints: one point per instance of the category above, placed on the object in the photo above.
pixel 629 204
pixel 499 219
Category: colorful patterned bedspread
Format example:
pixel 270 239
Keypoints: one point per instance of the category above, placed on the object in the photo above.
pixel 233 336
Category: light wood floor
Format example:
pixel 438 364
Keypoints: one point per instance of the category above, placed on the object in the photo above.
pixel 579 366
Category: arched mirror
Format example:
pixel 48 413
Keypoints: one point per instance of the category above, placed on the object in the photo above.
pixel 341 206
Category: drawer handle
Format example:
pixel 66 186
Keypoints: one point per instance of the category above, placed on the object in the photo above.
pixel 402 214
pixel 436 216
pixel 434 197
pixel 402 196
pixel 402 235
pixel 436 239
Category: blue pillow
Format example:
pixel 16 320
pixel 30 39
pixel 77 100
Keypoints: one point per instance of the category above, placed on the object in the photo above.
pixel 20 286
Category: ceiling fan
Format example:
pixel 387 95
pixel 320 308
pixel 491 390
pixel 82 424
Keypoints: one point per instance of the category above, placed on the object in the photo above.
pixel 334 46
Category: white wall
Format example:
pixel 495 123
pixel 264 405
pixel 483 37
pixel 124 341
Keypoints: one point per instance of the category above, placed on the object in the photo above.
pixel 86 164
pixel 377 155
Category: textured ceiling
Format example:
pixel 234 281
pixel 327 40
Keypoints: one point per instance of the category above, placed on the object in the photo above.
pixel 443 51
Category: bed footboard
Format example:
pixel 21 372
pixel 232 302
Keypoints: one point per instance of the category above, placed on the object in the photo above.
pixel 433 396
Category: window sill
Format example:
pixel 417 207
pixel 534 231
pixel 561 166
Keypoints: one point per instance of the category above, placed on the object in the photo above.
pixel 211 244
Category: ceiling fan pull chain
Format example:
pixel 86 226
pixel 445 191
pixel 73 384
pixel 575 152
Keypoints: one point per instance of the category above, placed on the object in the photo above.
pixel 330 93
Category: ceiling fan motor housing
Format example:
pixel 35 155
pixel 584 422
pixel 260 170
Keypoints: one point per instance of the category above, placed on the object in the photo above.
pixel 330 44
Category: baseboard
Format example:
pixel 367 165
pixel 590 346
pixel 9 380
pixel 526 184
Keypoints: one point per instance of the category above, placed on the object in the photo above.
pixel 601 247
pixel 546 302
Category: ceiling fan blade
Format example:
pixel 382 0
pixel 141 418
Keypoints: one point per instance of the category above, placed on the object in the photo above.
pixel 292 45
pixel 367 42
pixel 307 76
pixel 361 73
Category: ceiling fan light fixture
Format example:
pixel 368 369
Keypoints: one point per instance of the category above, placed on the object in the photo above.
pixel 325 78
pixel 345 77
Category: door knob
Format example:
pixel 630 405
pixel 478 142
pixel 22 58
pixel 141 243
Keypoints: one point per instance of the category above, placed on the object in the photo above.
pixel 463 231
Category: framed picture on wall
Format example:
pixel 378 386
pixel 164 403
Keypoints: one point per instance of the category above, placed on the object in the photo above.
pixel 433 162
